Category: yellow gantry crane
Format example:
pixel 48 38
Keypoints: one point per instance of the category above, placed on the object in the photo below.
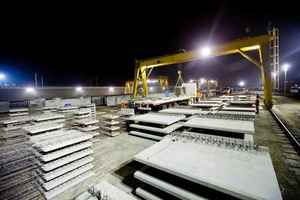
pixel 239 46
pixel 162 80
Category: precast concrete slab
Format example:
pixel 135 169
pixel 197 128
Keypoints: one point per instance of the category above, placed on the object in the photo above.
pixel 38 128
pixel 66 168
pixel 111 191
pixel 86 121
pixel 247 137
pixel 47 116
pixel 157 118
pixel 234 126
pixel 239 109
pixel 239 169
pixel 204 105
pixel 145 135
pixel 185 111
pixel 166 187
pixel 54 143
pixel 65 151
pixel 165 130
pixel 59 189
pixel 65 160
pixel 156 102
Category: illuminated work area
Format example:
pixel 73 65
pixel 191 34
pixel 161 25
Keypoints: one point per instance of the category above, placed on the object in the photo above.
pixel 173 108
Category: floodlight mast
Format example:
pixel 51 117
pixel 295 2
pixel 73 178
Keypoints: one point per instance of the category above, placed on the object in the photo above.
pixel 240 46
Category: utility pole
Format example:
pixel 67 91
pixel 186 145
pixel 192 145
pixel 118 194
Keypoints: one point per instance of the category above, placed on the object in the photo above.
pixel 42 81
pixel 35 79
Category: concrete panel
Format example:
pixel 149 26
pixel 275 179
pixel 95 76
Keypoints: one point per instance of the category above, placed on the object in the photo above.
pixel 157 118
pixel 166 187
pixel 234 126
pixel 145 135
pixel 165 130
pixel 240 172
pixel 185 111
pixel 239 109
pixel 162 100
pixel 38 128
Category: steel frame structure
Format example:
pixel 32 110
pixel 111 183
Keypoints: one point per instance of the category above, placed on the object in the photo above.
pixel 240 46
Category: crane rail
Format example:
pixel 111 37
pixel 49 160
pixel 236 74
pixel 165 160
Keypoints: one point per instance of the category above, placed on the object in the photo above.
pixel 292 138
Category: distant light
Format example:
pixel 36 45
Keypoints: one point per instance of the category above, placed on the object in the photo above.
pixel 79 89
pixel 111 89
pixel 152 81
pixel 191 81
pixel 242 83
pixel 274 74
pixel 202 81
pixel 212 81
pixel 285 67
pixel 2 76
pixel 205 51
pixel 151 89
pixel 30 90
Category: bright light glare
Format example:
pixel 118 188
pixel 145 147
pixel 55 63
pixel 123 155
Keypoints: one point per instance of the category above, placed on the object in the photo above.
pixel 151 89
pixel 111 89
pixel 30 90
pixel 79 89
pixel 191 80
pixel 274 75
pixel 152 81
pixel 242 83
pixel 212 81
pixel 2 76
pixel 286 67
pixel 205 51
pixel 202 81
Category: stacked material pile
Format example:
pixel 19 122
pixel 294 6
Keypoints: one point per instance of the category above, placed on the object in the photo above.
pixel 110 124
pixel 206 167
pixel 154 125
pixel 48 118
pixel 207 104
pixel 85 120
pixel 17 165
pixel 63 157
pixel 88 125
pixel 14 123
pixel 86 111
pixel 18 112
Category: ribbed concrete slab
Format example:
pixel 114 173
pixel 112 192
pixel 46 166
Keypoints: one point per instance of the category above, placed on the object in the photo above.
pixel 165 130
pixel 239 109
pixel 185 111
pixel 157 118
pixel 234 126
pixel 244 174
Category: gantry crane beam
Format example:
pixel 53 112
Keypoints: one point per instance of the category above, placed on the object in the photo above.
pixel 239 46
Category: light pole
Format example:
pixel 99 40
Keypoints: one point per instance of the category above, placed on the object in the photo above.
pixel 285 69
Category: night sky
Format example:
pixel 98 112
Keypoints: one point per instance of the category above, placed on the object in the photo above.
pixel 88 44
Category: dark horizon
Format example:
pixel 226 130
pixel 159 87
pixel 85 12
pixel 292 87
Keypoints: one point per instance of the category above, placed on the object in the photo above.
pixel 79 46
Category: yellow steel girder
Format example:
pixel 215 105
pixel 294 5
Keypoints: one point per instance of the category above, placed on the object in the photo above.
pixel 240 46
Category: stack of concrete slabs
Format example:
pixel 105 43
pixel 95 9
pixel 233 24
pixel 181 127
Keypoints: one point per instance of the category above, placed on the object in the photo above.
pixel 245 109
pixel 227 125
pixel 157 118
pixel 245 174
pixel 185 111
